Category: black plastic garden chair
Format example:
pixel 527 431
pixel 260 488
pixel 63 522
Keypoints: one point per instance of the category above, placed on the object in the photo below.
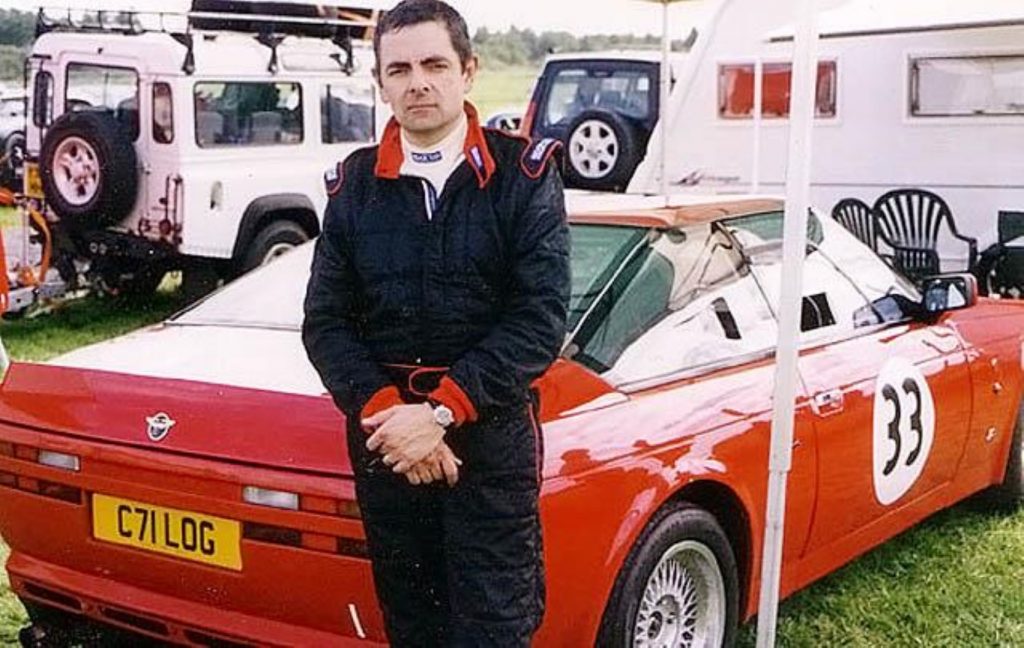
pixel 910 220
pixel 856 216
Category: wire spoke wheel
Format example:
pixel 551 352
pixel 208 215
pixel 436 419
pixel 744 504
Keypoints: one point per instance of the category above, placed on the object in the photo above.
pixel 684 602
pixel 593 149
pixel 76 170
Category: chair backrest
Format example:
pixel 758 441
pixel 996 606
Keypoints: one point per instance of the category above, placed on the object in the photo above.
pixel 912 217
pixel 266 127
pixel 209 126
pixel 857 217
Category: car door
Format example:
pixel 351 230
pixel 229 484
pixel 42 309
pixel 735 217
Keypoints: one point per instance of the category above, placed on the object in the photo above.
pixel 890 394
pixel 684 319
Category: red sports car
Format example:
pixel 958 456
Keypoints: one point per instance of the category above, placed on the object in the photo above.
pixel 189 482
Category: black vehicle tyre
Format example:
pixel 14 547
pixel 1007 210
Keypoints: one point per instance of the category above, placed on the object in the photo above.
pixel 678 587
pixel 272 241
pixel 89 169
pixel 601 152
pixel 199 277
pixel 1009 495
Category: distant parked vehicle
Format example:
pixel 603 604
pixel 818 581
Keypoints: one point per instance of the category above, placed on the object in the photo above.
pixel 163 142
pixel 602 106
pixel 12 139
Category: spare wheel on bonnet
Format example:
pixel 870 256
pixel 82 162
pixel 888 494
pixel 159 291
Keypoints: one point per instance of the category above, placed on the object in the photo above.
pixel 89 169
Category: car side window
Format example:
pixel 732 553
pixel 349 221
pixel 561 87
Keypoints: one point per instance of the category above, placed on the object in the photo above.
pixel 686 301
pixel 346 113
pixel 247 113
pixel 846 285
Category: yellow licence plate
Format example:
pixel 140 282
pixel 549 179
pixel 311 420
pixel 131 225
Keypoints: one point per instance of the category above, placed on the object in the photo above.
pixel 33 184
pixel 183 534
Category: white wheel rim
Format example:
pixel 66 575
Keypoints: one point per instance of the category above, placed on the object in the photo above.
pixel 593 149
pixel 76 171
pixel 276 250
pixel 683 603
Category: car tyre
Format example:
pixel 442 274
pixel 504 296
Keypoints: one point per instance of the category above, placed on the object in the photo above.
pixel 679 585
pixel 88 168
pixel 277 238
pixel 1009 494
pixel 602 152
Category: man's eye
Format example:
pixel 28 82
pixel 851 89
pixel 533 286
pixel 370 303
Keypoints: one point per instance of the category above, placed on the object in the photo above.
pixel 439 66
pixel 396 72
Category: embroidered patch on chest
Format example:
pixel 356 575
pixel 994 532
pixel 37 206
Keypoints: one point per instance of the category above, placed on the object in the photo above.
pixel 537 154
pixel 426 158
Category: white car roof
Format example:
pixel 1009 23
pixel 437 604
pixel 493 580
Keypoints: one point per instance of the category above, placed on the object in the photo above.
pixel 645 56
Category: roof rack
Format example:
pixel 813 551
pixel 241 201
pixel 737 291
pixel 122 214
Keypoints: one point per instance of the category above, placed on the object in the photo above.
pixel 268 29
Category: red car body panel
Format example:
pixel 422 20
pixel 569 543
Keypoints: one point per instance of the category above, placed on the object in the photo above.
pixel 612 459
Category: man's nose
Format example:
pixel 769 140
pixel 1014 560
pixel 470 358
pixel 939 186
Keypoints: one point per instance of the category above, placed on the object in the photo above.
pixel 418 80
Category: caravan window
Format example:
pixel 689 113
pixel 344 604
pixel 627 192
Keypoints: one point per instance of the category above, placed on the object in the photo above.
pixel 967 86
pixel 99 87
pixel 736 90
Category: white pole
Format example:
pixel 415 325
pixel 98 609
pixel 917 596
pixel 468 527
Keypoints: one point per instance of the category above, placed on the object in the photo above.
pixel 666 79
pixel 798 177
pixel 755 172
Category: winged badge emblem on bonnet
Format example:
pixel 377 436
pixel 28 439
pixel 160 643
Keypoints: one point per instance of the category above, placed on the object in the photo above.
pixel 158 426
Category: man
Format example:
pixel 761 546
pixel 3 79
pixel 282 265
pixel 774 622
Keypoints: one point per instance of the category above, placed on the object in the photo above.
pixel 438 294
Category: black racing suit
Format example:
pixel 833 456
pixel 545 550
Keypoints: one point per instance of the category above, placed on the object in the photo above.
pixel 474 286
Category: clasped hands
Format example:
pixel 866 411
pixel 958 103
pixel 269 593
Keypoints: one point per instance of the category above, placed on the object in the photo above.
pixel 412 443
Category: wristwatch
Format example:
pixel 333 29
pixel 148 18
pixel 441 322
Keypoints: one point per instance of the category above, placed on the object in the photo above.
pixel 443 415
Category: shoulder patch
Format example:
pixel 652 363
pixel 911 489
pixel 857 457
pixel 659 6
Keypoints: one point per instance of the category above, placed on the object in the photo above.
pixel 334 178
pixel 536 155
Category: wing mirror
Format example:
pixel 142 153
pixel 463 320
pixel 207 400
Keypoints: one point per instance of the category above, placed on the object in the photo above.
pixel 949 292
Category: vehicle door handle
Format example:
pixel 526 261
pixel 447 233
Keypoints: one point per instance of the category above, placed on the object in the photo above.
pixel 828 403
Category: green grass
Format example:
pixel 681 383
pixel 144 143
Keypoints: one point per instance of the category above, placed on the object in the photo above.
pixel 499 88
pixel 12 614
pixel 82 322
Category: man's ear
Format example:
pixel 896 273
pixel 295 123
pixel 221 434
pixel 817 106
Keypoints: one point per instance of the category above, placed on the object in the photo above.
pixel 469 71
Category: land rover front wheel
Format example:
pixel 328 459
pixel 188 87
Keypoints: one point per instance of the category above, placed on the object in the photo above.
pixel 679 586
pixel 89 170
pixel 272 241
pixel 602 152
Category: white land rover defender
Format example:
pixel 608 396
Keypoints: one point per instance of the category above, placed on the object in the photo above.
pixel 193 142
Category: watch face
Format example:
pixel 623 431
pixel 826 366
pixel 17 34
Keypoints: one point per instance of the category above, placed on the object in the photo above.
pixel 443 416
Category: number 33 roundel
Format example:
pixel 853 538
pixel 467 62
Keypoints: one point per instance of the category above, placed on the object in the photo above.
pixel 904 428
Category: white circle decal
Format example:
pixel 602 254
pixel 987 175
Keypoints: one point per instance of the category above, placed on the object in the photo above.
pixel 904 428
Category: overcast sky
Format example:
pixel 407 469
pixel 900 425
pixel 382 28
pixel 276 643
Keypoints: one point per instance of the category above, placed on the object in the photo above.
pixel 576 16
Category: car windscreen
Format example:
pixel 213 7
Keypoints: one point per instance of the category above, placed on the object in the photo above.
pixel 574 90
pixel 271 297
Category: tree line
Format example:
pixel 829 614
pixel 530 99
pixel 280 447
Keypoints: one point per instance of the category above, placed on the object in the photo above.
pixel 524 47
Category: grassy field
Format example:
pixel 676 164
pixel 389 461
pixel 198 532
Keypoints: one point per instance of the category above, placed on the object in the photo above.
pixel 956 580
pixel 501 88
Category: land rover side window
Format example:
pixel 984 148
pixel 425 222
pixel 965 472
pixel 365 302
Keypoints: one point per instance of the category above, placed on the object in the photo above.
pixel 685 300
pixel 627 92
pixel 846 285
pixel 248 113
pixel 346 113
pixel 42 99
pixel 111 89
pixel 736 90
pixel 967 86
pixel 163 114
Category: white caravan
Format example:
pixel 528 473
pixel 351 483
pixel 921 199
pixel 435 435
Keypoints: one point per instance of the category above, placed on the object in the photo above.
pixel 911 93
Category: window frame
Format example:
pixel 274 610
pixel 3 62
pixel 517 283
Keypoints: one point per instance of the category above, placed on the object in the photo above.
pixel 229 146
pixel 912 81
pixel 768 118
pixel 42 111
pixel 136 131
pixel 325 94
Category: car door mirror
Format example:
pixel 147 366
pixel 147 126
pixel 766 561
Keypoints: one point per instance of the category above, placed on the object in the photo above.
pixel 949 292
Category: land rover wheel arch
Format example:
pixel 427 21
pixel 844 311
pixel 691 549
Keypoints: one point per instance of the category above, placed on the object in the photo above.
pixel 602 151
pixel 89 170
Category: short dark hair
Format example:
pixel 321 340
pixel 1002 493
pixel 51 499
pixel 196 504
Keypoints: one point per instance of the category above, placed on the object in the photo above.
pixel 413 12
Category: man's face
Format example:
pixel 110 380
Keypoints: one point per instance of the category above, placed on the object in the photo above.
pixel 421 77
